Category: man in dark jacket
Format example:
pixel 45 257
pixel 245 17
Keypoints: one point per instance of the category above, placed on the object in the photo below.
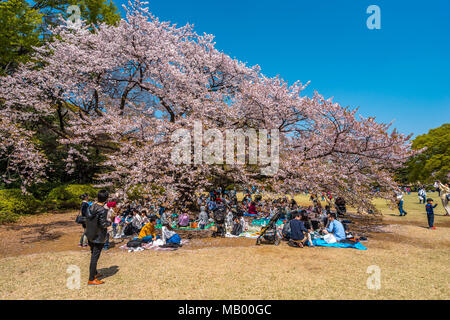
pixel 299 234
pixel 340 206
pixel 219 220
pixel 96 226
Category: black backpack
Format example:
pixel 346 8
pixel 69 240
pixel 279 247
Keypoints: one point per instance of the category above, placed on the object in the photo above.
pixel 82 219
pixel 134 243
pixel 128 231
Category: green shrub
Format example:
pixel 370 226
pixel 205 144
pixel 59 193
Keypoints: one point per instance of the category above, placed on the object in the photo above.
pixel 68 196
pixel 14 203
pixel 40 191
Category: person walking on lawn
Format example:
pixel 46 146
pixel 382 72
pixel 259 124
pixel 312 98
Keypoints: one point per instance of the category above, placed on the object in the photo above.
pixel 400 204
pixel 430 213
pixel 96 230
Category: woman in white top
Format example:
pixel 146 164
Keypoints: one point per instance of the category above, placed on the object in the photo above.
pixel 170 236
pixel 137 222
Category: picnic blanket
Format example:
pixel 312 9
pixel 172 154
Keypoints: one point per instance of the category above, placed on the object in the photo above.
pixel 250 215
pixel 251 235
pixel 323 243
pixel 156 246
pixel 159 226
pixel 264 222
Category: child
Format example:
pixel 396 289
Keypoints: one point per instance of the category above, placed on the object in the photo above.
pixel 203 218
pixel 430 213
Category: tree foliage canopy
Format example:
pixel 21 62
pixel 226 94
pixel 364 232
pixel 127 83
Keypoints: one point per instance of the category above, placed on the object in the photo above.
pixel 434 162
pixel 19 33
pixel 121 92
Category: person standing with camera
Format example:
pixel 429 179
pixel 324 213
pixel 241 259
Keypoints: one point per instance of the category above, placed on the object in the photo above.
pixel 96 230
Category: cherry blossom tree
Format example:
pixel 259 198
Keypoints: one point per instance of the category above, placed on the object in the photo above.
pixel 127 89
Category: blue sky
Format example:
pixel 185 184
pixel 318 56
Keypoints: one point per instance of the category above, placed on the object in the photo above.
pixel 400 72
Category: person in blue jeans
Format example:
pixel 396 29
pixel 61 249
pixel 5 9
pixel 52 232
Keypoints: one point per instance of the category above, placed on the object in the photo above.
pixel 335 227
pixel 400 204
pixel 430 213
pixel 298 234
pixel 169 235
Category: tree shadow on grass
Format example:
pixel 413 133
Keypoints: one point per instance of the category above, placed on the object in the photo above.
pixel 108 272
pixel 42 225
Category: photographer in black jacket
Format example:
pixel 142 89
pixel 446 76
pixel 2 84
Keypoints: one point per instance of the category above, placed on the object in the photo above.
pixel 96 226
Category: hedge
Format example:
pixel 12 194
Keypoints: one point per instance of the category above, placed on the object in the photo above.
pixel 14 203
pixel 68 196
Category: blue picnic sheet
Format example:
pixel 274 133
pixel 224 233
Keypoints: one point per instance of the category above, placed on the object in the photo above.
pixel 250 215
pixel 323 243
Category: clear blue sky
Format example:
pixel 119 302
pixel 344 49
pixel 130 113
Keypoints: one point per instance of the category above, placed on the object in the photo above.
pixel 401 72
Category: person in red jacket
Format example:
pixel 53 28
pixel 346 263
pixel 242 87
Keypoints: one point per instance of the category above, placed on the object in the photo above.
pixel 252 208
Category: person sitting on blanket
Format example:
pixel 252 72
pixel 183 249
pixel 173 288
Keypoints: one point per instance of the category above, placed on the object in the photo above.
pixel 229 219
pixel 238 228
pixel 137 222
pixel 170 236
pixel 165 217
pixel 144 216
pixel 243 222
pixel 335 231
pixel 183 220
pixel 299 234
pixel 148 233
pixel 252 208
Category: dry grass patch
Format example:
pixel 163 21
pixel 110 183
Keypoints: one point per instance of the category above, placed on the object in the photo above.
pixel 413 262
pixel 408 271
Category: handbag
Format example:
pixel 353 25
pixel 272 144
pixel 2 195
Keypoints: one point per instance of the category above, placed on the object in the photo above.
pixel 80 219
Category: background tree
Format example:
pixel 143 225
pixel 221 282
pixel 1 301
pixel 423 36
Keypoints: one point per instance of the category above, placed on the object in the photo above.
pixel 434 162
pixel 26 25
pixel 92 12
pixel 19 33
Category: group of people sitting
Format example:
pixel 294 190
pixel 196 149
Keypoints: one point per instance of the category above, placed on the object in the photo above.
pixel 298 229
pixel 137 222
pixel 140 220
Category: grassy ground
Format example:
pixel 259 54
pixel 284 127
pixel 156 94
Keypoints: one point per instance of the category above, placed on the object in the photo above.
pixel 413 262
